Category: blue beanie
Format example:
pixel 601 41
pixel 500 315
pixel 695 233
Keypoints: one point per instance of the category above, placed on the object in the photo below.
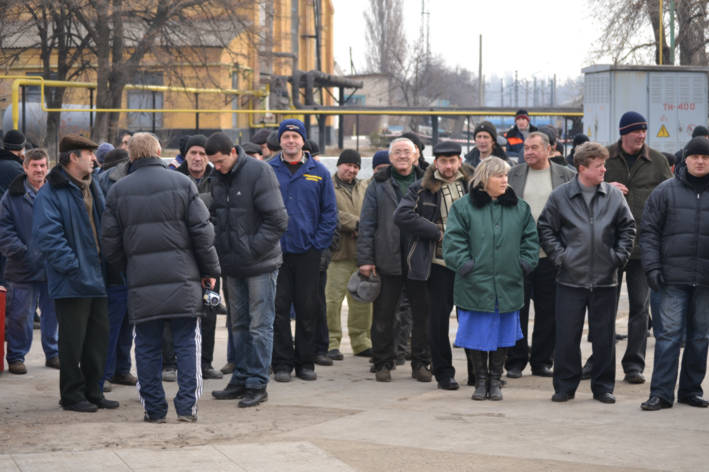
pixel 102 150
pixel 631 121
pixel 292 125
pixel 380 157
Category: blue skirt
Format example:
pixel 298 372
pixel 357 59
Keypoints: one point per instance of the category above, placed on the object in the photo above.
pixel 484 331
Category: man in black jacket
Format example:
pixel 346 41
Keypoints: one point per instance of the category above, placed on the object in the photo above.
pixel 587 230
pixel 156 228
pixel 380 250
pixel 675 256
pixel 249 218
pixel 422 214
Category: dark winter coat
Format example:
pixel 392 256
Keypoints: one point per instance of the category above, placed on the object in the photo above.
pixel 63 233
pixel 156 226
pixel 249 218
pixel 649 171
pixel 379 241
pixel 419 216
pixel 310 201
pixel 10 168
pixel 515 140
pixel 473 157
pixel 588 245
pixel 107 178
pixel 24 260
pixel 204 185
pixel 674 233
pixel 491 245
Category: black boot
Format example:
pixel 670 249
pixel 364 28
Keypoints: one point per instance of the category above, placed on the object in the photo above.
pixel 471 368
pixel 497 361
pixel 479 359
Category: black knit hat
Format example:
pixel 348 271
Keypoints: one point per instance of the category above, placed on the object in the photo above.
pixel 195 140
pixel 350 156
pixel 700 131
pixel 416 140
pixel 113 158
pixel 251 148
pixel 13 140
pixel 522 113
pixel 488 128
pixel 631 121
pixel 698 145
pixel 579 139
pixel 312 147
pixel 550 131
pixel 260 136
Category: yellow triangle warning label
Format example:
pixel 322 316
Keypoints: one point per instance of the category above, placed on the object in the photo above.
pixel 663 132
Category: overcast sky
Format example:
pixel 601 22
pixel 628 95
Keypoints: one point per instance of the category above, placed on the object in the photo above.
pixel 533 37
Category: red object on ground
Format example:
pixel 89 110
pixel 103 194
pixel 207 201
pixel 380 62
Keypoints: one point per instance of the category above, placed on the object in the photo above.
pixel 2 330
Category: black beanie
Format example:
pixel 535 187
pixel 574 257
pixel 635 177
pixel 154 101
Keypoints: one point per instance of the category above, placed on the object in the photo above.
pixel 182 143
pixel 700 131
pixel 13 140
pixel 488 128
pixel 698 145
pixel 350 156
pixel 416 140
pixel 196 140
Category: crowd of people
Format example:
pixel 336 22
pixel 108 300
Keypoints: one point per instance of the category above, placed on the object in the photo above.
pixel 114 247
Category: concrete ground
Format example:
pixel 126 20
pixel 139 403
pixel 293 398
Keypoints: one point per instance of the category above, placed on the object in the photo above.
pixel 346 421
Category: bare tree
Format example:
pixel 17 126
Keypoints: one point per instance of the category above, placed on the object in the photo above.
pixel 50 29
pixel 631 30
pixel 386 41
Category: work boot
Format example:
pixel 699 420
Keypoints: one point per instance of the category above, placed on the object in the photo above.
pixel 497 361
pixel 228 368
pixel 17 368
pixel 479 361
pixel 471 367
pixel 253 397
pixel 421 373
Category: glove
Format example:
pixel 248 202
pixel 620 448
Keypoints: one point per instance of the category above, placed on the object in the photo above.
pixel 655 280
pixel 466 268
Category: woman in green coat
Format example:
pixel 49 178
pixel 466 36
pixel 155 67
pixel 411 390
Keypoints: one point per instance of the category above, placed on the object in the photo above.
pixel 491 243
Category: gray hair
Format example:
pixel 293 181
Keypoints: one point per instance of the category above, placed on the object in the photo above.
pixel 402 140
pixel 489 167
pixel 541 135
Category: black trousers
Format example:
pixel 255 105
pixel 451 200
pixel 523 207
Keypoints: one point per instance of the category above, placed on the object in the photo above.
pixel 539 286
pixel 384 309
pixel 639 309
pixel 83 345
pixel 298 283
pixel 440 295
pixel 322 336
pixel 571 303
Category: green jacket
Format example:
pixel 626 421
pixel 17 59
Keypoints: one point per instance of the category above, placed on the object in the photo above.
pixel 491 245
pixel 649 171
pixel 349 206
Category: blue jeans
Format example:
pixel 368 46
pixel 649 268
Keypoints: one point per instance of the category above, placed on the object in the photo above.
pixel 22 302
pixel 119 341
pixel 251 304
pixel 679 305
pixel 187 343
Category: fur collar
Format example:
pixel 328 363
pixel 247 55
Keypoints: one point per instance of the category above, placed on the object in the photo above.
pixel 433 185
pixel 57 178
pixel 481 198
pixel 385 173
pixel 17 186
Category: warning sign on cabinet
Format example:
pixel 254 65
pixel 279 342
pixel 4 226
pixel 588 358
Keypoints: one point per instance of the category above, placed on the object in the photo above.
pixel 663 133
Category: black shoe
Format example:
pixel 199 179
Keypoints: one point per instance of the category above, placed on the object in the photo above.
pixel 230 392
pixel 106 404
pixel 148 419
pixel 366 353
pixel 655 403
pixel 253 397
pixel 209 372
pixel 448 384
pixel 634 378
pixel 306 374
pixel 605 397
pixel 561 397
pixel 586 371
pixel 694 400
pixel 620 337
pixel 544 371
pixel 82 406
pixel 282 376
pixel 335 355
pixel 400 361
pixel 169 374
pixel 52 363
pixel 126 378
pixel 322 359
pixel 514 373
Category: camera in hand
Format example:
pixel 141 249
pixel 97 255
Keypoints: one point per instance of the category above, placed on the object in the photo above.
pixel 211 298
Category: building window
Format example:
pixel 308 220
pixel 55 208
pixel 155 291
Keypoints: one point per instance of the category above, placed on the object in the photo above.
pixel 145 99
